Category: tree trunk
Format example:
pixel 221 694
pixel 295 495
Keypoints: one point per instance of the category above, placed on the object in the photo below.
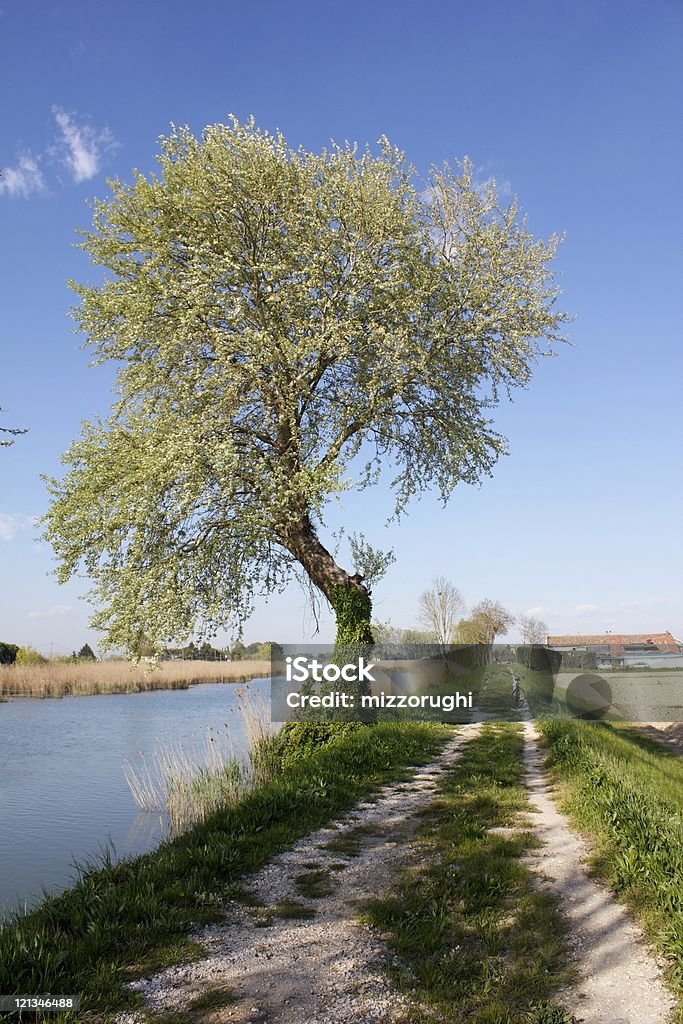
pixel 347 594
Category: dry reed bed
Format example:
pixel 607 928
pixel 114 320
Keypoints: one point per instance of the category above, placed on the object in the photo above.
pixel 59 679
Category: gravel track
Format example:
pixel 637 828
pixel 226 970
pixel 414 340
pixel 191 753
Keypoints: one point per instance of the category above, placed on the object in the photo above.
pixel 327 969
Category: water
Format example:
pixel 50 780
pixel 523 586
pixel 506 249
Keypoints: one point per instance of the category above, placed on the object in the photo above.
pixel 63 795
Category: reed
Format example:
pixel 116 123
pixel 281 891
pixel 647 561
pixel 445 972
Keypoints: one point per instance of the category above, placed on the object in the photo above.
pixel 192 784
pixel 61 679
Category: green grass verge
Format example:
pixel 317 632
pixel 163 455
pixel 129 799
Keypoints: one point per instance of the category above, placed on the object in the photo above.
pixel 626 793
pixel 477 942
pixel 127 919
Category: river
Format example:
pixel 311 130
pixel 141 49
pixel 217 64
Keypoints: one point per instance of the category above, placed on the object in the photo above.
pixel 63 795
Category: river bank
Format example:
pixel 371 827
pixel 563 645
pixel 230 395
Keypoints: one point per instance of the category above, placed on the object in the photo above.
pixel 127 919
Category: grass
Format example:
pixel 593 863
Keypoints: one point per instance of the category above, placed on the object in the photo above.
pixel 213 999
pixel 477 942
pixel 288 909
pixel 193 785
pixel 350 842
pixel 132 918
pixel 203 1007
pixel 315 883
pixel 625 793
pixel 59 679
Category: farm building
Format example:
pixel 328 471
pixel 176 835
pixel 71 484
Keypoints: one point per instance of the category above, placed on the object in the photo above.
pixel 623 650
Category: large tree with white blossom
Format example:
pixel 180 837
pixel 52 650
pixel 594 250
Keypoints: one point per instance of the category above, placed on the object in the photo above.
pixel 286 325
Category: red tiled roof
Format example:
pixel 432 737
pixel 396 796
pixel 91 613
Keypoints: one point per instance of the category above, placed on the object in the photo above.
pixel 658 639
pixel 616 641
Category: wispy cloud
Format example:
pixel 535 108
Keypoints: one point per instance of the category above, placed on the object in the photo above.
pixel 81 145
pixel 52 613
pixel 11 524
pixel 23 180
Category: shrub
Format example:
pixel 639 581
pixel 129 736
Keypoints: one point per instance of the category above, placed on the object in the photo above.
pixel 30 656
pixel 296 740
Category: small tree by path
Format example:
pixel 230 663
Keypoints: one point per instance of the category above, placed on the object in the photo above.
pixel 284 324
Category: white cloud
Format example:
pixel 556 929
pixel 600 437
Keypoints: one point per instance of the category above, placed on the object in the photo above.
pixel 11 524
pixel 585 609
pixel 540 610
pixel 24 179
pixel 82 145
pixel 52 613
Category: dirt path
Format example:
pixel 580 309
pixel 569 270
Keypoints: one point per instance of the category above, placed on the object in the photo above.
pixel 620 982
pixel 327 969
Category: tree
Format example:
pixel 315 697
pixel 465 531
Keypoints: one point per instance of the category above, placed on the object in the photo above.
pixel 237 651
pixel 30 656
pixel 490 619
pixel 534 631
pixel 8 653
pixel 86 652
pixel 468 631
pixel 439 608
pixel 14 431
pixel 284 325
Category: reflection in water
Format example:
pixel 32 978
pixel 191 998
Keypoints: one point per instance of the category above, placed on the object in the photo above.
pixel 146 831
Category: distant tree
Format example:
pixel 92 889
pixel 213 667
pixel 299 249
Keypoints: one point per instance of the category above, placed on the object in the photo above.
pixel 534 631
pixel 237 651
pixel 86 653
pixel 30 656
pixel 8 653
pixel 490 620
pixel 467 631
pixel 439 609
pixel 271 649
pixel 14 431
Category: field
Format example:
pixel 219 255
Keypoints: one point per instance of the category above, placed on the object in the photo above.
pixel 653 696
pixel 60 679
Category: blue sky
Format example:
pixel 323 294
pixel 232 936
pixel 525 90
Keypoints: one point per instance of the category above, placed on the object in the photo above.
pixel 573 107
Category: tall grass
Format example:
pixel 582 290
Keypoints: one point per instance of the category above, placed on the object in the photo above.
pixel 191 785
pixel 60 679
